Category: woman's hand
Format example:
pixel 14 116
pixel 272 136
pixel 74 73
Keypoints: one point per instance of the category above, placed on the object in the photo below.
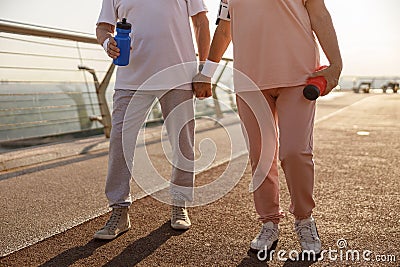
pixel 331 74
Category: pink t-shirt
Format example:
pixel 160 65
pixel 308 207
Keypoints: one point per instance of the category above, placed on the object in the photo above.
pixel 273 42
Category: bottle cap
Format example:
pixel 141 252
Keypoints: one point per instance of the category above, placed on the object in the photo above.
pixel 311 92
pixel 124 25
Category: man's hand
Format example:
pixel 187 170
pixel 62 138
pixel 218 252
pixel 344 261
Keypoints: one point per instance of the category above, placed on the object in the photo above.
pixel 112 49
pixel 201 86
pixel 104 32
pixel 331 74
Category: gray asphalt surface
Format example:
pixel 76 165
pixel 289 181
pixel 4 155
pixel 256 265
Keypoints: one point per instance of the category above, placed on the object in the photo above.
pixel 357 142
pixel 41 200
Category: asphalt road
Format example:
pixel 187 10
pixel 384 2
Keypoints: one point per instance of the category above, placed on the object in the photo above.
pixel 357 152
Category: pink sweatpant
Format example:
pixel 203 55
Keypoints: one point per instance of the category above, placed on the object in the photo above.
pixel 293 118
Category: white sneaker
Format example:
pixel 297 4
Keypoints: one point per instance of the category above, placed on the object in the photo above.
pixel 117 224
pixel 179 216
pixel 308 235
pixel 267 237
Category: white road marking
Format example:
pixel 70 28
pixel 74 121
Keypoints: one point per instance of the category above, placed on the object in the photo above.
pixel 363 133
pixel 340 110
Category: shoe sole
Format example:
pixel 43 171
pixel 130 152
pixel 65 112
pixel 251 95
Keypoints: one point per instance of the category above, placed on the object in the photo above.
pixel 180 227
pixel 109 237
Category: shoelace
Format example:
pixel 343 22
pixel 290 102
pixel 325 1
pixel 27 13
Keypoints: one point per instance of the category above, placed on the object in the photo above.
pixel 305 232
pixel 179 213
pixel 114 219
pixel 266 233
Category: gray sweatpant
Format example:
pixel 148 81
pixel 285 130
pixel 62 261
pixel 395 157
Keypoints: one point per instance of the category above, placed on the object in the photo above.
pixel 127 122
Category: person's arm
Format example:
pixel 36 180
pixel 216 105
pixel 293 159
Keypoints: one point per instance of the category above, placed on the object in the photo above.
pixel 222 35
pixel 220 42
pixel 322 25
pixel 105 31
pixel 202 34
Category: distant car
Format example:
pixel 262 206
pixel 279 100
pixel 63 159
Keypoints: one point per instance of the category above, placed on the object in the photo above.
pixel 390 85
pixel 364 86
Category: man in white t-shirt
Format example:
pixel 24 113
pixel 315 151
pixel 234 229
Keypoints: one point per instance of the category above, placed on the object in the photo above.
pixel 161 38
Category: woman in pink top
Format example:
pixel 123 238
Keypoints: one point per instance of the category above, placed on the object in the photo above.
pixel 275 48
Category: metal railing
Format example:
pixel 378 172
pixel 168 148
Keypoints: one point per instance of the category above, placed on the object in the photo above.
pixel 42 90
pixel 54 82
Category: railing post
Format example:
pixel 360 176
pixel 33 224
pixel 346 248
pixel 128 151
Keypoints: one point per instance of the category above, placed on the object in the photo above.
pixel 101 97
pixel 101 94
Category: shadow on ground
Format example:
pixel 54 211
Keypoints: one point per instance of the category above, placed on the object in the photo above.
pixel 131 255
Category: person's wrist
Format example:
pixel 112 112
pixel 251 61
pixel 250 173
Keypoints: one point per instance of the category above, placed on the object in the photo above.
pixel 201 66
pixel 209 68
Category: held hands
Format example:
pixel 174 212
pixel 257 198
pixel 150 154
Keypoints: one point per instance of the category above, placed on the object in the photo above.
pixel 201 85
pixel 331 74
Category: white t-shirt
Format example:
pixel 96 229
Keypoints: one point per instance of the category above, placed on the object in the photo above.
pixel 161 38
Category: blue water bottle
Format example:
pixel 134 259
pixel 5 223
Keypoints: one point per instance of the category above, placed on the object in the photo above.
pixel 123 42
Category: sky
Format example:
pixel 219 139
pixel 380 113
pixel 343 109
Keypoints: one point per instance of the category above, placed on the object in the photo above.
pixel 368 30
